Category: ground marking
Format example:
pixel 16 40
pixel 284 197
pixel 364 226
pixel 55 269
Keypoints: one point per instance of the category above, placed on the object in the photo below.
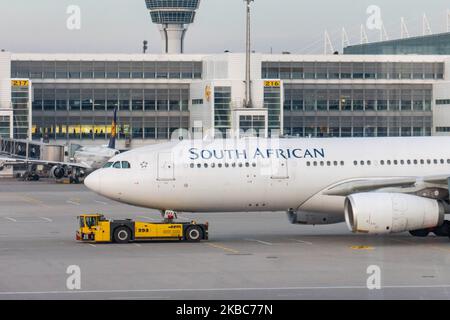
pixel 223 248
pixel 444 286
pixel 260 241
pixel 362 248
pixel 11 219
pixel 73 202
pixel 301 241
pixel 46 219
pixel 101 202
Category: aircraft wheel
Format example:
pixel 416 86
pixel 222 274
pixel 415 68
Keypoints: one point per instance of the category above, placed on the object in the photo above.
pixel 122 235
pixel 194 234
pixel 420 233
pixel 444 230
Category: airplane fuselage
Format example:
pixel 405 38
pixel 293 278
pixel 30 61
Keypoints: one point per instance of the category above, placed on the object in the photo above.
pixel 262 175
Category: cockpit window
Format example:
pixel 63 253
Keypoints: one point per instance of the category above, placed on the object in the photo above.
pixel 126 165
pixel 117 165
pixel 108 165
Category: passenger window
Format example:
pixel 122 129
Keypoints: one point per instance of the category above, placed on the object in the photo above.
pixel 355 163
pixel 342 163
pixel 192 165
pixel 117 165
pixel 382 162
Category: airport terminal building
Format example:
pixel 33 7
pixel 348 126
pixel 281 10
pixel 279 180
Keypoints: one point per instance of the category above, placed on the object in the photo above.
pixel 64 97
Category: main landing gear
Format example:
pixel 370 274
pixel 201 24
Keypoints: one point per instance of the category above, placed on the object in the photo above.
pixel 442 231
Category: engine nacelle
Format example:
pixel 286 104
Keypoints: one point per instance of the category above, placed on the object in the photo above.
pixel 58 172
pixel 313 218
pixel 384 213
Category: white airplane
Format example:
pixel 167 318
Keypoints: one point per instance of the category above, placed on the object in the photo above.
pixel 96 156
pixel 85 160
pixel 376 185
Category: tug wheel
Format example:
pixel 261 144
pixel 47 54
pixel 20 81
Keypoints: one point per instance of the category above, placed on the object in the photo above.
pixel 194 234
pixel 122 235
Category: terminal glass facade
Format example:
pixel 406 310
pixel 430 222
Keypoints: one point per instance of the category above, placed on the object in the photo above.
pixel 252 125
pixel 352 70
pixel 21 109
pixel 5 127
pixel 106 70
pixel 436 44
pixel 85 111
pixel 357 110
pixel 222 109
pixel 272 98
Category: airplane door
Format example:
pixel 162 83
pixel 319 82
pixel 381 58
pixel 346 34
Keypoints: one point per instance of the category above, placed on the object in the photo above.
pixel 279 169
pixel 166 170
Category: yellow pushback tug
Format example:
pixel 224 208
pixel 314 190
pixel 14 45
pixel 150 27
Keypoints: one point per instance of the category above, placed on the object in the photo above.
pixel 95 228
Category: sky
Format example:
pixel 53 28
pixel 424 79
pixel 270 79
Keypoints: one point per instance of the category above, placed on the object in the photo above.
pixel 120 26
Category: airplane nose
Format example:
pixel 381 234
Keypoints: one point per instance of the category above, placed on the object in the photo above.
pixel 93 182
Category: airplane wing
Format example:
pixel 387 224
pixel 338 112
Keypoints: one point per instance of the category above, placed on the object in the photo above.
pixel 16 162
pixel 347 188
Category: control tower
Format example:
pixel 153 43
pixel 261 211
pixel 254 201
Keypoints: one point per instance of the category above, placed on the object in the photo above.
pixel 174 17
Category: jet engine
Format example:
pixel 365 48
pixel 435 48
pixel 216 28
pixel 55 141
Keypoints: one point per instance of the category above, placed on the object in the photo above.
pixel 384 213
pixel 58 172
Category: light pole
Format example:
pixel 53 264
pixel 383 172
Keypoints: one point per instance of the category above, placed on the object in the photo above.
pixel 248 88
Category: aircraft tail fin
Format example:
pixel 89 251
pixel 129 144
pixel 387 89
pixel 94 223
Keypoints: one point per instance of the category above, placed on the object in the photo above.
pixel 112 139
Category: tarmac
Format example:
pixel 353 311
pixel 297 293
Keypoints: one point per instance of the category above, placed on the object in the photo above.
pixel 249 256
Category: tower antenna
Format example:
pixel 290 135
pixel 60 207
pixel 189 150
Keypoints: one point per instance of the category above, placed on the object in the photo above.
pixel 248 86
